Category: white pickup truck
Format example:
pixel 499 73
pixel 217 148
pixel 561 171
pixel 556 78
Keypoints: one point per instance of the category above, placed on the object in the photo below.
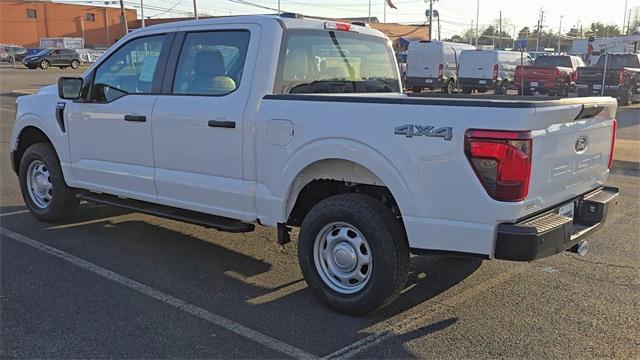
pixel 291 122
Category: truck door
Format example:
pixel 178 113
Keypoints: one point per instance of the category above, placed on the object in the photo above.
pixel 110 130
pixel 199 119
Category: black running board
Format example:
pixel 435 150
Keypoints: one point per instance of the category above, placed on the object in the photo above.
pixel 192 217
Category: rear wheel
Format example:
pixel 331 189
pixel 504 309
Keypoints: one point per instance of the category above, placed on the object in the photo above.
pixel 353 253
pixel 75 64
pixel 502 88
pixel 43 188
pixel 451 87
pixel 44 64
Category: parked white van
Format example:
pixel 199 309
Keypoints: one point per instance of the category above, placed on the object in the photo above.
pixel 483 70
pixel 433 64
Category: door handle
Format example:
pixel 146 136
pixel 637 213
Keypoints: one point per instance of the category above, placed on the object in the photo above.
pixel 222 124
pixel 135 118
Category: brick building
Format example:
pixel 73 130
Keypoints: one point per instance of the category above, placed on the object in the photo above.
pixel 26 22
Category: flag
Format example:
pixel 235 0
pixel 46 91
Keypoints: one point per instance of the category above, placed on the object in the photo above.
pixel 391 4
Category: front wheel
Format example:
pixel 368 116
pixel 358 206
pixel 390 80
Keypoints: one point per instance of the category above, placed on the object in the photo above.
pixel 353 253
pixel 43 188
pixel 44 64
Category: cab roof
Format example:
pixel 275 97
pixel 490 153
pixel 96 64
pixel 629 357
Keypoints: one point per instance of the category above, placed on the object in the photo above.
pixel 285 23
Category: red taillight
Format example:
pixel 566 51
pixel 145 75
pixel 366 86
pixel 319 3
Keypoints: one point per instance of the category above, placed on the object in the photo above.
pixel 613 141
pixel 502 161
pixel 495 72
pixel 441 70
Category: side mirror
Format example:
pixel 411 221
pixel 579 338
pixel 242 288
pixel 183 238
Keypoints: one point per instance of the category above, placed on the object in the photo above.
pixel 70 88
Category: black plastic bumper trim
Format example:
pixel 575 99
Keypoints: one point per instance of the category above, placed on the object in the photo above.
pixel 549 234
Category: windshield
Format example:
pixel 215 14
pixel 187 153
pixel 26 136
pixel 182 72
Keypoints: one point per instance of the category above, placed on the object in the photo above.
pixel 552 61
pixel 619 61
pixel 336 62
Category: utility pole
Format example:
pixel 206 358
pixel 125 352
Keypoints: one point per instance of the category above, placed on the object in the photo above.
pixel 470 39
pixel 500 32
pixel 142 12
pixel 540 22
pixel 477 19
pixel 123 18
pixel 369 11
pixel 195 9
pixel 560 32
pixel 624 18
pixel 629 24
pixel 430 18
pixel 438 26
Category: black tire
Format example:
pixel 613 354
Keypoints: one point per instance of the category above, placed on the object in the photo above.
pixel 388 248
pixel 63 203
pixel 450 88
pixel 416 89
pixel 502 88
pixel 44 64
pixel 75 64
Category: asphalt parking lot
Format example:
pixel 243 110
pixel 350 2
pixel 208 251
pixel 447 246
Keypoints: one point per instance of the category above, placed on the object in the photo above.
pixel 118 284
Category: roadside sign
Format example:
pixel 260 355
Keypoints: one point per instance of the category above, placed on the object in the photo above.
pixel 522 43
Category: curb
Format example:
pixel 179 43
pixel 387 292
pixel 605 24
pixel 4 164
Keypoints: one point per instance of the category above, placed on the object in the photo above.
pixel 21 92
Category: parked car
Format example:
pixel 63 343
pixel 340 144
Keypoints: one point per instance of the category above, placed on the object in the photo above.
pixel 232 122
pixel 61 58
pixel 433 64
pixel 622 78
pixel 9 53
pixel 484 70
pixel 552 74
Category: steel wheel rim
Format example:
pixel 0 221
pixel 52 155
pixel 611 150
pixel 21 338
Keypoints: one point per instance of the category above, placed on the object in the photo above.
pixel 342 257
pixel 44 64
pixel 39 184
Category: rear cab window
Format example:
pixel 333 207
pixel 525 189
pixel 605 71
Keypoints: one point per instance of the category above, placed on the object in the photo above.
pixel 314 61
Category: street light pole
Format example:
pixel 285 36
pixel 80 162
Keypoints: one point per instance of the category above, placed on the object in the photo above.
pixel 430 19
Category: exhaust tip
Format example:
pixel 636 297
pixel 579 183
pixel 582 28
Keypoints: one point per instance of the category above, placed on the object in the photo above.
pixel 582 248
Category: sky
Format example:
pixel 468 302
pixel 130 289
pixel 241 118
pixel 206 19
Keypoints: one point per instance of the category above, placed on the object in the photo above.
pixel 455 15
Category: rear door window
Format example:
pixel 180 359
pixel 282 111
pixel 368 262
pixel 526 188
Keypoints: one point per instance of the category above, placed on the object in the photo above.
pixel 211 63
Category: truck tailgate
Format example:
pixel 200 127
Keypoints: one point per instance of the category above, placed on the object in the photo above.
pixel 571 153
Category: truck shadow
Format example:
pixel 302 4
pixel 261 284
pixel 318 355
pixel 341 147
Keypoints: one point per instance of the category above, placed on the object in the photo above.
pixel 226 273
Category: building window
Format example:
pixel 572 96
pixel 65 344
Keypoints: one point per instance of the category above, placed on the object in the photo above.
pixel 90 17
pixel 31 13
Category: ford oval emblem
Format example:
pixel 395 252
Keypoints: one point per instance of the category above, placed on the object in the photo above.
pixel 581 144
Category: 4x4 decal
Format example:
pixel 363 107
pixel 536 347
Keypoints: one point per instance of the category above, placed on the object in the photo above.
pixel 420 130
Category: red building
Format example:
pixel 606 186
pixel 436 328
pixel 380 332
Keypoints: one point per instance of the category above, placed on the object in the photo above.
pixel 26 22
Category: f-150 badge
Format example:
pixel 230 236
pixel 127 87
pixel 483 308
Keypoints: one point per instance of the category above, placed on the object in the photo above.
pixel 419 130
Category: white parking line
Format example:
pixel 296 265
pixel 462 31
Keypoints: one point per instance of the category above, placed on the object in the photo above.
pixel 14 213
pixel 215 319
pixel 6 109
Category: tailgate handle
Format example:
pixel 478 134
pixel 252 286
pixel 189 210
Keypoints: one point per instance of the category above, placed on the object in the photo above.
pixel 589 111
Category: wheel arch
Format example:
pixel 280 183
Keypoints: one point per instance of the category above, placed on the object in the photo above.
pixel 331 175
